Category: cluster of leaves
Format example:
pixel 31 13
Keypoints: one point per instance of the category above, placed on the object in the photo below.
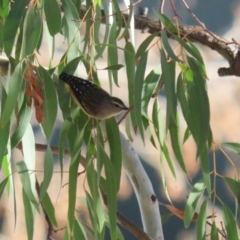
pixel 22 26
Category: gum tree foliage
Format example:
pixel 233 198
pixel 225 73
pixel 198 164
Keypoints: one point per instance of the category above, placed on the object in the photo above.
pixel 28 88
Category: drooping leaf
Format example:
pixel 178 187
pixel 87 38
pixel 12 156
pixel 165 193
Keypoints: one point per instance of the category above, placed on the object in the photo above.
pixel 196 193
pixel 24 177
pixel 168 74
pixel 140 76
pixel 29 219
pixel 12 23
pixel 229 223
pixel 112 54
pixel 115 148
pixel 49 103
pixel 24 119
pixel 204 161
pixel 32 29
pixel 235 147
pixel 167 46
pixel 144 45
pixel 129 56
pixel 48 172
pixel 234 186
pixel 53 16
pixel 49 208
pixel 12 95
pixel 201 222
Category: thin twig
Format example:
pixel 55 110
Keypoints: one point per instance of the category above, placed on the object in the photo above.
pixel 201 23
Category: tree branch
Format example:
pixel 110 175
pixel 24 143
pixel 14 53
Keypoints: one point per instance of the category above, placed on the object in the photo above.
pixel 195 34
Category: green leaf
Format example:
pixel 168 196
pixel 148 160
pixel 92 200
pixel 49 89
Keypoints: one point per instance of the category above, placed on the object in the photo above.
pixel 100 153
pixel 92 214
pixel 71 28
pixel 112 53
pixel 191 49
pixel 149 85
pixel 12 23
pixel 156 118
pixel 188 73
pixel 187 134
pixel 114 67
pixel 3 185
pixel 71 66
pixel 129 55
pixel 111 197
pixel 229 223
pixel 118 17
pixel 140 74
pixel 94 203
pixel 4 135
pixel 49 103
pixel 99 48
pixel 24 119
pixel 115 148
pixel 175 141
pixel 72 192
pixel 1 45
pixel 32 29
pixel 201 222
pixel 28 148
pixel 235 147
pixel 195 105
pixel 8 171
pixel 199 105
pixel 144 45
pixel 197 191
pixel 25 180
pixel 234 186
pixel 168 74
pixel 28 215
pixel 205 170
pixel 214 232
pixel 166 22
pixel 49 208
pixel 167 46
pixel 14 89
pixel 53 16
pixel 48 172
pixel 4 8
pixel 62 140
pixel 79 232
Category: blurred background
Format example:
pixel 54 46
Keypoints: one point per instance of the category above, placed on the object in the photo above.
pixel 219 16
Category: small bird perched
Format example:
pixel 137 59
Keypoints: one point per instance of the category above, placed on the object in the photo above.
pixel 93 100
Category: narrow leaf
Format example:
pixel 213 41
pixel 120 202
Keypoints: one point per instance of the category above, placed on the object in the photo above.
pixel 32 29
pixel 140 75
pixel 12 96
pixel 115 148
pixel 48 172
pixel 49 208
pixel 167 46
pixel 196 193
pixel 235 147
pixel 49 103
pixel 201 222
pixel 12 23
pixel 24 177
pixel 28 215
pixel 53 16
pixel 229 223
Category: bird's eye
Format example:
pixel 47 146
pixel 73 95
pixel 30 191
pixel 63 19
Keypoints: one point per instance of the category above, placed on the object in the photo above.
pixel 117 105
